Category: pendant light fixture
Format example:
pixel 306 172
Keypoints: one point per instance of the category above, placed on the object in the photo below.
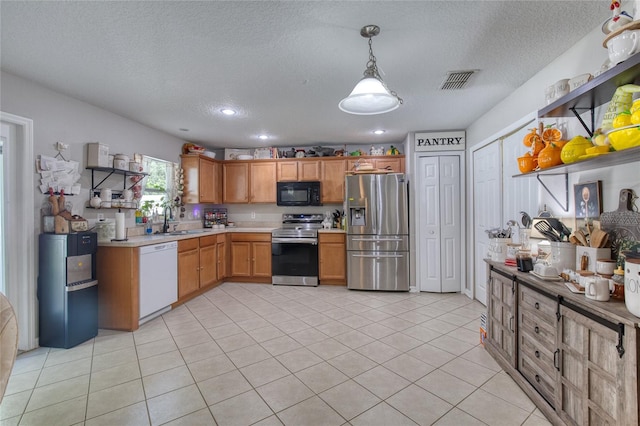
pixel 370 96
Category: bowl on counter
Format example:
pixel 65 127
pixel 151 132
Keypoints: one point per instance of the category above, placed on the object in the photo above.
pixel 244 157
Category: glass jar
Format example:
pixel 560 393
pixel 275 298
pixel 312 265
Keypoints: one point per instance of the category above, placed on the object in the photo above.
pixel 618 283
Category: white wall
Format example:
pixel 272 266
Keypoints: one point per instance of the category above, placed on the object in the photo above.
pixel 57 117
pixel 587 55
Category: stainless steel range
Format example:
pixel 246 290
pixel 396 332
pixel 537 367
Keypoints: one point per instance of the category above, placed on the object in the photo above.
pixel 294 250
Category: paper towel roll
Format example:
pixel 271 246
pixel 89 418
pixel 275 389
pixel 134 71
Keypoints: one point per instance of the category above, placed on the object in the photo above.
pixel 120 228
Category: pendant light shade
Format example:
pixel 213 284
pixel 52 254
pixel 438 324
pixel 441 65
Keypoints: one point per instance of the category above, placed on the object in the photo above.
pixel 370 96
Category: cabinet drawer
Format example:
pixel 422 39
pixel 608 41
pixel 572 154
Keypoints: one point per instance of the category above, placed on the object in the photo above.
pixel 539 329
pixel 544 307
pixel 209 240
pixel 244 236
pixel 540 379
pixel 185 245
pixel 538 353
pixel 328 237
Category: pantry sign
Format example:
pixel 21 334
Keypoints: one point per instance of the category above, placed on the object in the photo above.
pixel 440 141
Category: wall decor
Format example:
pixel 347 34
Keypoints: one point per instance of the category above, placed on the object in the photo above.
pixel 588 200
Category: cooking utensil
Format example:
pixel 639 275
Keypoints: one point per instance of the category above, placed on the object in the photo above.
pixel 557 227
pixel 574 240
pixel 545 229
pixel 582 238
pixel 525 219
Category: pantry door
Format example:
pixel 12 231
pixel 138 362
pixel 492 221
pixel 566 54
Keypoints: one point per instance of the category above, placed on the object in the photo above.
pixel 487 208
pixel 439 268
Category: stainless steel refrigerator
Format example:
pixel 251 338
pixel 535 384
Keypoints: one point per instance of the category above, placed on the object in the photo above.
pixel 377 232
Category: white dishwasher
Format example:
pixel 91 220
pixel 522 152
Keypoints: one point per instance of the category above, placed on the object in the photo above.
pixel 158 279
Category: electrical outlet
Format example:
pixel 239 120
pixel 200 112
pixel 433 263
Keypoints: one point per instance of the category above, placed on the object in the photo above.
pixel 253 215
pixel 100 216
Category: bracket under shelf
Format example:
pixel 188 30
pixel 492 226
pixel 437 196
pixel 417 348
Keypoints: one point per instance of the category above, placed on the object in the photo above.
pixel 591 130
pixel 564 206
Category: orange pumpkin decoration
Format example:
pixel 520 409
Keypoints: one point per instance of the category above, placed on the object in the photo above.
pixel 550 156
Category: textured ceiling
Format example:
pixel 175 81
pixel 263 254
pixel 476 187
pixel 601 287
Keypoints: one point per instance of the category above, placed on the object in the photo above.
pixel 285 65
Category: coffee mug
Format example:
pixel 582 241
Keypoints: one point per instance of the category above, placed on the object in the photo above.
pixel 561 88
pixel 605 266
pixel 597 289
pixel 622 46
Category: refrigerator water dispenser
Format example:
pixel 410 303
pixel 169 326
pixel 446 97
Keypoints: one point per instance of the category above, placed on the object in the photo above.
pixel 357 216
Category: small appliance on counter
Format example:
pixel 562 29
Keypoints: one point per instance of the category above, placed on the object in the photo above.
pixel 214 217
pixel 67 289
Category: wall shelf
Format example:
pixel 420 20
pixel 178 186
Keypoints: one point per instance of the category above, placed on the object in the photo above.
pixel 606 160
pixel 588 97
pixel 594 93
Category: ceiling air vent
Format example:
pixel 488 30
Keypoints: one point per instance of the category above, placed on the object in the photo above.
pixel 456 80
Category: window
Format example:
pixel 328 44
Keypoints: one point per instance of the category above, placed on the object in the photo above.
pixel 159 187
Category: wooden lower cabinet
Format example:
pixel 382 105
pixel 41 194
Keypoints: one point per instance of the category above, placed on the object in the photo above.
pixel 221 256
pixel 188 267
pixel 332 258
pixel 502 316
pixel 198 265
pixel 597 385
pixel 576 359
pixel 118 287
pixel 250 257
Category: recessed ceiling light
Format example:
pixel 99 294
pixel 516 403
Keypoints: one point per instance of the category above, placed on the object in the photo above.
pixel 227 111
pixel 263 137
pixel 182 129
pixel 379 131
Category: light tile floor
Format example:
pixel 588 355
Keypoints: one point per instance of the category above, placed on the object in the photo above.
pixel 256 354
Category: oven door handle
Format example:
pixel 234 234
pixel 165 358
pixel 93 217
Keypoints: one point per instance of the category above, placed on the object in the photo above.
pixel 311 241
pixel 376 256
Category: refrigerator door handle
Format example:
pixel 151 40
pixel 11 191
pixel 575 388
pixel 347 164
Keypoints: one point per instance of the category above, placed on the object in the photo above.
pixel 82 286
pixel 379 256
pixel 378 239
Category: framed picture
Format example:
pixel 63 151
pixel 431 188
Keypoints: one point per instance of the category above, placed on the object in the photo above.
pixel 588 200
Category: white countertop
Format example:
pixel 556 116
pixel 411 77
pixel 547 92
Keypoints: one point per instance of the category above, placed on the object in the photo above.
pixel 145 240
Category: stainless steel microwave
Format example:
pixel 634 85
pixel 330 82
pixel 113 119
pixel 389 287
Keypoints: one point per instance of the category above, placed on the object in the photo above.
pixel 298 194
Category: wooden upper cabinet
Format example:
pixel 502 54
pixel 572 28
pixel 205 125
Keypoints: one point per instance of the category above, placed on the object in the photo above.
pixel 332 180
pixel 394 162
pixel 236 182
pixel 202 179
pixel 287 171
pixel 262 178
pixel 309 170
pixel 298 170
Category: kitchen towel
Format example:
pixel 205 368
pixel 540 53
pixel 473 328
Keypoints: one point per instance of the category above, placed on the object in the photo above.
pixel 120 228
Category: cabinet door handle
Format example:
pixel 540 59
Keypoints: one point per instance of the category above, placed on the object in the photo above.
pixel 537 305
pixel 556 359
pixel 511 324
pixel 537 378
pixel 537 329
pixel 537 354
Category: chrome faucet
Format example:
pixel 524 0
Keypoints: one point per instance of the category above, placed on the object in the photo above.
pixel 165 225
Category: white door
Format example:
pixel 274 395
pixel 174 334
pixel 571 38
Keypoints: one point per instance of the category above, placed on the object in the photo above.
pixel 518 194
pixel 440 229
pixel 487 208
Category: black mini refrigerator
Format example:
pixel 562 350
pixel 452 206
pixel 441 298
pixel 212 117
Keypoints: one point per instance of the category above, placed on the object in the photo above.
pixel 67 289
